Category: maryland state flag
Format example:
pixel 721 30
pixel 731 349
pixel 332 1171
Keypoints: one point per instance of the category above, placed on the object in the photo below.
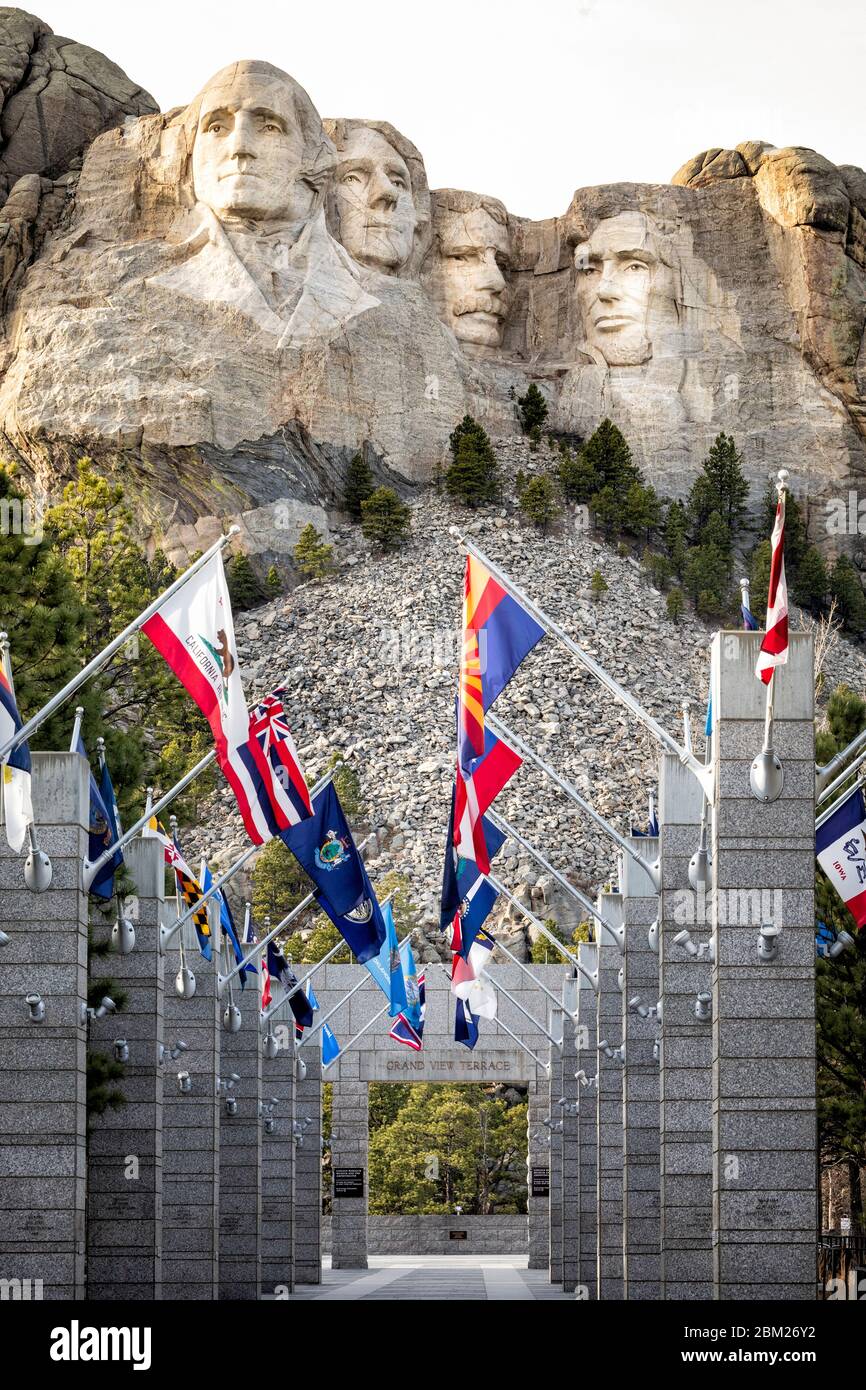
pixel 497 634
pixel 187 883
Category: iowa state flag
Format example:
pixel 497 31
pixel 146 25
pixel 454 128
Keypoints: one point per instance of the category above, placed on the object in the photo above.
pixel 841 847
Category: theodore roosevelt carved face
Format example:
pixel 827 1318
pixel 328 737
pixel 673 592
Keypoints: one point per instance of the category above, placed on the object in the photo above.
pixel 473 252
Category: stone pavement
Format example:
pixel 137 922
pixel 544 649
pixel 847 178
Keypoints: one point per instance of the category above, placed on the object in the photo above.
pixel 419 1278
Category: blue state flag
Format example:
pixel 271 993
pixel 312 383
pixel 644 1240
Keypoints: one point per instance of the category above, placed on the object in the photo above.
pixel 330 1046
pixel 750 622
pixel 460 874
pixel 324 847
pixel 227 923
pixel 311 997
pixel 465 1024
pixel 279 969
pixel 102 830
pixel 386 968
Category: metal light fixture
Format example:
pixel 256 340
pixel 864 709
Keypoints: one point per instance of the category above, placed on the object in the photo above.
pixel 184 983
pixel 37 868
pixel 107 1006
pixel 123 936
pixel 121 1050
pixel 844 942
pixel 300 1069
pixel 232 1019
pixel 768 941
pixel 36 1005
pixel 171 1054
pixel 652 937
pixel 270 1045
pixel 4 939
pixel 704 950
pixel 613 1054
pixel 704 1008
pixel 184 1083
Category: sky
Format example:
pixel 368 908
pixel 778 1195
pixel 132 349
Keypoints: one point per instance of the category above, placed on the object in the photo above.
pixel 523 101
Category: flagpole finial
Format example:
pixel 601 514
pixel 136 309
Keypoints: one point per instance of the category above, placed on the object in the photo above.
pixel 744 585
pixel 172 824
pixel 233 530
pixel 783 476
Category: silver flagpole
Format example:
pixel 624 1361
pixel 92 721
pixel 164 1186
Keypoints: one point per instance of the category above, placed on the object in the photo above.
pixel 114 646
pixel 344 1047
pixel 526 971
pixel 545 1066
pixel 76 728
pixel 500 989
pixel 766 775
pixel 618 692
pixel 840 801
pixel 539 926
pixel 618 933
pixel 574 795
pixel 842 778
pixel 89 871
pixel 838 761
pixel 222 980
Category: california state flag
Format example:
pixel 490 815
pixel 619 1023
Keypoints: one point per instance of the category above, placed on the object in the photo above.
pixel 194 631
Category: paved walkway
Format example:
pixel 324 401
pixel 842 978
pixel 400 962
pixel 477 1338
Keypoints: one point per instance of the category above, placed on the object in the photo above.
pixel 421 1278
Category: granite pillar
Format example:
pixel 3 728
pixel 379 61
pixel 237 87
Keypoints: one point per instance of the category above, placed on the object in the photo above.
pixel 587 1128
pixel 124 1169
pixel 350 1137
pixel 764 1120
pixel 43 1076
pixel 569 1136
pixel 278 1158
pixel 609 1273
pixel 538 1175
pixel 685 1075
pixel 240 1212
pixel 640 1191
pixel 554 1111
pixel 308 1169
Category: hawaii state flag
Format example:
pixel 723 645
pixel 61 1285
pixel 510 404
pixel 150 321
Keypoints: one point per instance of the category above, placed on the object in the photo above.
pixel 497 634
pixel 17 798
pixel 270 752
pixel 841 847
pixel 774 647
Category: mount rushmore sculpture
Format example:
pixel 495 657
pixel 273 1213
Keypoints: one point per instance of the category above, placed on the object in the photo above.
pixel 229 299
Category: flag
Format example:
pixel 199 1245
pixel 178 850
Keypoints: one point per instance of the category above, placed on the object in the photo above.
pixel 190 892
pixel 279 969
pixel 465 1024
pixel 227 923
pixel 276 758
pixel 750 622
pixel 497 634
pixel 194 631
pixel 386 968
pixel 841 847
pixel 323 846
pixel 708 727
pixel 311 998
pixel 330 1046
pixel 459 873
pixel 475 792
pixel 17 796
pixel 102 828
pixel 408 1027
pixel 475 909
pixel 774 647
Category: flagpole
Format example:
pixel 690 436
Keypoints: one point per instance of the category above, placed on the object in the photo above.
pixel 592 978
pixel 618 933
pixel 341 945
pixel 222 980
pixel 766 775
pixel 618 692
pixel 344 1047
pixel 652 870
pixel 76 729
pixel 840 801
pixel 500 989
pixel 89 871
pixel 839 760
pixel 97 663
pixel 843 777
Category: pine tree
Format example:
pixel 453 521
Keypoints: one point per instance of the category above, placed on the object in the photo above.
pixel 246 590
pixel 385 520
pixel 759 579
pixel 533 409
pixel 642 512
pixel 273 582
pixel 313 557
pixel 578 479
pixel 607 452
pixel 847 590
pixel 721 487
pixel 676 533
pixel 598 584
pixel 675 605
pixel 359 485
pixel 809 588
pixel 607 506
pixel 538 503
pixel 472 477
pixel 707 573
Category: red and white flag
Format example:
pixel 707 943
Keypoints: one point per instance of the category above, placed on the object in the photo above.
pixel 774 647
pixel 475 794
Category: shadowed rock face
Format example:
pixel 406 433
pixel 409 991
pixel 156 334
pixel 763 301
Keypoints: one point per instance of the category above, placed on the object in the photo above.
pixel 235 296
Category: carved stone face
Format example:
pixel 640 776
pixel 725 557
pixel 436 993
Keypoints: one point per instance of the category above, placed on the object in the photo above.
pixel 616 270
pixel 373 202
pixel 474 248
pixel 248 150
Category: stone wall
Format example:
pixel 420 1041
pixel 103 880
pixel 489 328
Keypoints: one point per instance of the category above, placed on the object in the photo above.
pixel 431 1235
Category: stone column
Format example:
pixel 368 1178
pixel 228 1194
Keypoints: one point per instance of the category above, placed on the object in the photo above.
pixel 554 1091
pixel 240 1214
pixel 685 1075
pixel 586 1061
pixel 570 1195
pixel 308 1169
pixel 350 1135
pixel 764 1139
pixel 538 1166
pixel 191 1136
pixel 640 1194
pixel 124 1168
pixel 278 1160
pixel 42 1077
pixel 609 1106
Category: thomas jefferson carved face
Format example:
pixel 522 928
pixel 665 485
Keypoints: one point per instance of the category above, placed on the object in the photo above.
pixel 616 270
pixel 373 204
pixel 474 249
pixel 249 149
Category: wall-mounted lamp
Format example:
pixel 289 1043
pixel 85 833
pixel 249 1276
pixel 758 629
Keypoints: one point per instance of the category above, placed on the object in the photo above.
pixel 637 1006
pixel 704 1008
pixel 844 942
pixel 184 983
pixel 36 1005
pixel 613 1054
pixel 652 937
pixel 121 1050
pixel 184 1083
pixel 704 950
pixel 768 941
pixel 270 1045
pixel 107 1006
pixel 300 1069
pixel 171 1054
pixel 123 936
pixel 4 939
pixel 232 1019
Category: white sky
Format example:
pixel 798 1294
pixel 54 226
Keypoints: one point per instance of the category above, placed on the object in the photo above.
pixel 523 101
